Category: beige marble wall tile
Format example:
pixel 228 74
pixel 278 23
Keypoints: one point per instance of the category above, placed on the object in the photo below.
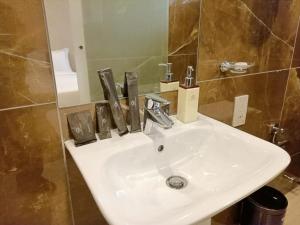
pixel 25 72
pixel 296 58
pixel 33 188
pixel 24 82
pixel 33 178
pixel 266 93
pixel 248 31
pixel 276 15
pixel 291 121
pixel 24 20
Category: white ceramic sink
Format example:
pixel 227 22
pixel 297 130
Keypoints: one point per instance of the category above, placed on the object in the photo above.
pixel 222 165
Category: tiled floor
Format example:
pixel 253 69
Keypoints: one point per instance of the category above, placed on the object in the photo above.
pixel 293 212
pixel 291 191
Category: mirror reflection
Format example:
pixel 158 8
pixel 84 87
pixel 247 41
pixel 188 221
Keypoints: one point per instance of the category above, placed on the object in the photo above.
pixel 127 36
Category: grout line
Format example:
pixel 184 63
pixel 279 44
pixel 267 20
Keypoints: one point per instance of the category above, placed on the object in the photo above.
pixel 174 20
pixel 123 58
pixel 182 46
pixel 245 75
pixel 25 58
pixel 27 106
pixel 67 176
pixel 70 202
pixel 183 54
pixel 189 41
pixel 289 76
pixel 27 98
pixel 198 46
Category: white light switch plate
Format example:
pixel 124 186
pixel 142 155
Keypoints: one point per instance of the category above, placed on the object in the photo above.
pixel 240 110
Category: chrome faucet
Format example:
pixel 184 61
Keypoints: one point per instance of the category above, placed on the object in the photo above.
pixel 157 110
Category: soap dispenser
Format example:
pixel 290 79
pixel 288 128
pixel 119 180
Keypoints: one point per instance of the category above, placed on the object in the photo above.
pixel 188 98
pixel 168 83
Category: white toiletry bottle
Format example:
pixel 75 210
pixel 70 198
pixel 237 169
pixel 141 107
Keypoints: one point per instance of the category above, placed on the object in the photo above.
pixel 188 98
pixel 168 83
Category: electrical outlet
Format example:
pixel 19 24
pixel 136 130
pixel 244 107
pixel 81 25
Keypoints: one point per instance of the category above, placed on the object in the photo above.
pixel 240 110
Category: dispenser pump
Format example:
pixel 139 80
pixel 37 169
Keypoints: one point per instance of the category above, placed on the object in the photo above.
pixel 168 74
pixel 188 98
pixel 189 79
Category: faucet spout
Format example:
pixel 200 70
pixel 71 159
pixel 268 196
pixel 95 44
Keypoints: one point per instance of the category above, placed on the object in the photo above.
pixel 157 110
pixel 161 118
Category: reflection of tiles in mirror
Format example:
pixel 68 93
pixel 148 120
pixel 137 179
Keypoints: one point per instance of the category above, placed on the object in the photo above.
pixel 118 47
pixel 149 73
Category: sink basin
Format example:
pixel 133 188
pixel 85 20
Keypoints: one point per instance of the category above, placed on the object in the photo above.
pixel 217 166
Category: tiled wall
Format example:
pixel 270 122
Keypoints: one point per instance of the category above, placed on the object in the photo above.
pixel 256 31
pixel 291 111
pixel 33 187
pixel 262 32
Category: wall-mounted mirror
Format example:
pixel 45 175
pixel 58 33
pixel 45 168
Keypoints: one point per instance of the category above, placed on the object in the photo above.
pixel 130 35
pixel 89 35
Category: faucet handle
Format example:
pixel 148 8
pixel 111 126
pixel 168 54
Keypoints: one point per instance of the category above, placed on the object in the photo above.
pixel 155 102
pixel 157 109
pixel 156 98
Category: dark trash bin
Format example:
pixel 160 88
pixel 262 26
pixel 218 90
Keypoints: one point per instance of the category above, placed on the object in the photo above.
pixel 267 206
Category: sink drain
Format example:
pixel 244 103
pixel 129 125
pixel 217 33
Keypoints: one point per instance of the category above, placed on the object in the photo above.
pixel 176 182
